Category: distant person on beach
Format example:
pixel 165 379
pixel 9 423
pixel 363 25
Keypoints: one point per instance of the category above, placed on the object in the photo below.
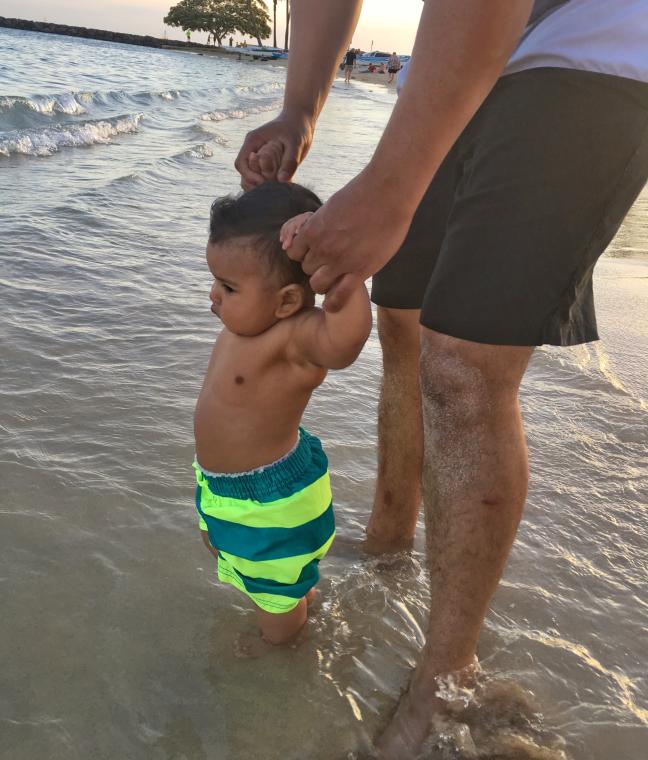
pixel 349 64
pixel 188 33
pixel 231 41
pixel 515 150
pixel 393 66
pixel 263 493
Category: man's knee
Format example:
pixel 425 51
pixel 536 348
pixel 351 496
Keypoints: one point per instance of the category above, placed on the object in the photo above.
pixel 399 332
pixel 469 379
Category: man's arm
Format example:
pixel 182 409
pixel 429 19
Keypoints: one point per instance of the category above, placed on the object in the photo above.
pixel 321 32
pixel 334 341
pixel 460 50
pixel 320 35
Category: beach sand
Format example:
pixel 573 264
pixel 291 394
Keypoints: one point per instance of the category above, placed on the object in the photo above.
pixel 381 79
pixel 358 76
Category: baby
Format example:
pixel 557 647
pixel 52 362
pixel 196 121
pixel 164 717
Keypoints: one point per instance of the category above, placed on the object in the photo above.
pixel 263 494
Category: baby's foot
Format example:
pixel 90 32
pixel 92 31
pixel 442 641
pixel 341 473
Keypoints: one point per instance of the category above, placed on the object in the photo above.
pixel 310 596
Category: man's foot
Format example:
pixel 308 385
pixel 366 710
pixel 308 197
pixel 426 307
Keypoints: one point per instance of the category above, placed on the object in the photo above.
pixel 426 702
pixel 374 544
pixel 409 727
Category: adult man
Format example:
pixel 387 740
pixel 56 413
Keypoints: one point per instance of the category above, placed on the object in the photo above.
pixel 349 64
pixel 393 66
pixel 533 173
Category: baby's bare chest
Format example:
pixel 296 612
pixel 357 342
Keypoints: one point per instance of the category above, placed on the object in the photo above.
pixel 243 372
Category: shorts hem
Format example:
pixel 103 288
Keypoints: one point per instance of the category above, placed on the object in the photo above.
pixel 517 341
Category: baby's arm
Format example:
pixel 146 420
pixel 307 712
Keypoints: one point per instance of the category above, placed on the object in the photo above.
pixel 291 228
pixel 329 340
pixel 334 341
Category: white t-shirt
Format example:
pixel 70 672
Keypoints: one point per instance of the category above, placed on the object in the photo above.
pixel 607 36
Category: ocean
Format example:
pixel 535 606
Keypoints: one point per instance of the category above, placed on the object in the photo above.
pixel 116 640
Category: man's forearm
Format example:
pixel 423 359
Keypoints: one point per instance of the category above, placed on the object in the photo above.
pixel 460 51
pixel 321 32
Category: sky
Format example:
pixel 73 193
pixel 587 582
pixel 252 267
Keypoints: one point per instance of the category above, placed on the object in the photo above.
pixel 383 25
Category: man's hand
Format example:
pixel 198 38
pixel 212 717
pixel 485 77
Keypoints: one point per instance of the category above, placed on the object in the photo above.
pixel 351 237
pixel 274 150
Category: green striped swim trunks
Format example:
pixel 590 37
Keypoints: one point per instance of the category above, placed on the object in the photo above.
pixel 271 526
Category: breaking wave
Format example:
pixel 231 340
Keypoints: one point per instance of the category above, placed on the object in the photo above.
pixel 240 113
pixel 46 142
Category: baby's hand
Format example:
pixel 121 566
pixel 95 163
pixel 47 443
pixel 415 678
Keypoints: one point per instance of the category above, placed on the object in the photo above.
pixel 267 160
pixel 291 228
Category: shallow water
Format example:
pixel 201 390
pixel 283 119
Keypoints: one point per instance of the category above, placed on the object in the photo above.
pixel 116 641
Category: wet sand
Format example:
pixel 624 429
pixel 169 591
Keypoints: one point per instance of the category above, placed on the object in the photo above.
pixel 364 76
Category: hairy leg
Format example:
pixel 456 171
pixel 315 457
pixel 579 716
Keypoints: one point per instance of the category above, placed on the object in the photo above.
pixel 400 433
pixel 475 483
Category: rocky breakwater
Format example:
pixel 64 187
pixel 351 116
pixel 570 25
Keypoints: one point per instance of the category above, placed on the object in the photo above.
pixel 94 34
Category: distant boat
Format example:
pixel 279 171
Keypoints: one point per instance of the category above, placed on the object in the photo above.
pixel 257 53
pixel 377 56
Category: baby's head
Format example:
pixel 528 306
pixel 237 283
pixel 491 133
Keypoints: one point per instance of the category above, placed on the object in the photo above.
pixel 255 283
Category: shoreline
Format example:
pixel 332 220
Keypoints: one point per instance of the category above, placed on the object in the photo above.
pixel 105 35
pixel 367 78
pixel 124 38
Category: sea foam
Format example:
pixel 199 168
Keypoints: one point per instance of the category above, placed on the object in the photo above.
pixel 46 142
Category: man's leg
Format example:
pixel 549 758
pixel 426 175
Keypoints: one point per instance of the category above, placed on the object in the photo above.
pixel 474 487
pixel 400 433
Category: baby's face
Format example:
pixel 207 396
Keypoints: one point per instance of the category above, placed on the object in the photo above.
pixel 243 295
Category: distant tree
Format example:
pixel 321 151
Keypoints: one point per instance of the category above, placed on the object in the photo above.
pixel 212 16
pixel 274 23
pixel 287 24
pixel 251 18
pixel 187 14
pixel 221 17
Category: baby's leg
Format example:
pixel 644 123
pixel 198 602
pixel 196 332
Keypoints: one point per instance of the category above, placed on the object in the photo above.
pixel 282 628
pixel 205 537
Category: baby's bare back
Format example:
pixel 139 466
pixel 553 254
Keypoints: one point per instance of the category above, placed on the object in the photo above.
pixel 252 400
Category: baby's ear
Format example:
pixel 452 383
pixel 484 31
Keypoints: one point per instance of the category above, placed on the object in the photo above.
pixel 290 299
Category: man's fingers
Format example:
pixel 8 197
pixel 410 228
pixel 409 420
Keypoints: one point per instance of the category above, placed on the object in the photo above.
pixel 323 279
pixel 250 177
pixel 253 162
pixel 289 164
pixel 268 165
pixel 313 260
pixel 340 292
pixel 250 180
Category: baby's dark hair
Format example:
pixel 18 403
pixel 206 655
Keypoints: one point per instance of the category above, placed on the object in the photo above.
pixel 259 214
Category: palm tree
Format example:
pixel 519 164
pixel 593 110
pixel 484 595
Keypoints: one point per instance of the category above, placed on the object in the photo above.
pixel 274 23
pixel 287 24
